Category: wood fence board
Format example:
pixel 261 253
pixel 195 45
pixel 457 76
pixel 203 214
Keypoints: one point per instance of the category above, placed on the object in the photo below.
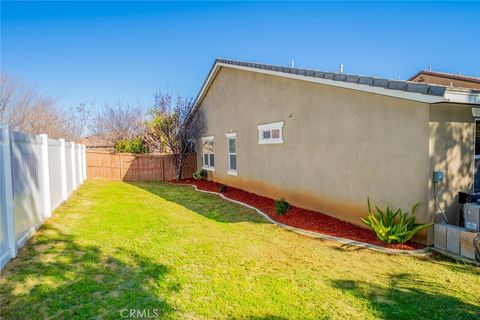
pixel 128 167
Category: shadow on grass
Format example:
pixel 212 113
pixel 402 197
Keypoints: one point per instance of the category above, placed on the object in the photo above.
pixel 207 205
pixel 345 247
pixel 410 298
pixel 56 278
pixel 455 265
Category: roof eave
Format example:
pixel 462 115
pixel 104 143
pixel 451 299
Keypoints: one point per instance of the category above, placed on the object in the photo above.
pixel 416 75
pixel 462 96
pixel 445 75
pixel 453 96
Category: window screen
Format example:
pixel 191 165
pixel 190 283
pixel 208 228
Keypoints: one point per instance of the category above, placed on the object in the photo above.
pixel 232 154
pixel 208 152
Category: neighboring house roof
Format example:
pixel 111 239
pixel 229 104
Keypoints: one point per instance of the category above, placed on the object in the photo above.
pixel 396 88
pixel 95 142
pixel 446 79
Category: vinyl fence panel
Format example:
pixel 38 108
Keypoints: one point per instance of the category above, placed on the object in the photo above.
pixel 84 162
pixel 36 176
pixel 69 167
pixel 7 232
pixel 78 165
pixel 27 173
pixel 55 173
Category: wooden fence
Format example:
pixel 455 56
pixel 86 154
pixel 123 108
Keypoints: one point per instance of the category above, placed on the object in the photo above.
pixel 129 167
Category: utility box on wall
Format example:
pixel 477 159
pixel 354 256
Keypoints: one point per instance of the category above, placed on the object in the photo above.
pixel 471 214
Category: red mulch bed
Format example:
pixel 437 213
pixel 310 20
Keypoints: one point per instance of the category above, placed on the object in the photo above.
pixel 302 218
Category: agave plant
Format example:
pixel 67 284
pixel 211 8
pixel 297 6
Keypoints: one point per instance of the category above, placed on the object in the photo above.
pixel 393 226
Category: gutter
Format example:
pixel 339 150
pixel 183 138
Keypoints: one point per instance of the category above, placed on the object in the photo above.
pixel 457 95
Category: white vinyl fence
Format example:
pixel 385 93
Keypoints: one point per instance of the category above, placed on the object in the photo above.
pixel 37 174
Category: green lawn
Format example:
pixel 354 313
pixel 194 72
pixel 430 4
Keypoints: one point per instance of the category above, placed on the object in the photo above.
pixel 188 255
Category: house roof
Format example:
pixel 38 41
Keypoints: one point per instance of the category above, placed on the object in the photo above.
pixel 446 79
pixel 95 142
pixel 423 92
pixel 445 75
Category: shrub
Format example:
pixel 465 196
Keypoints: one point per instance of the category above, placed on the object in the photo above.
pixel 136 145
pixel 393 226
pixel 223 188
pixel 200 174
pixel 281 206
pixel 120 145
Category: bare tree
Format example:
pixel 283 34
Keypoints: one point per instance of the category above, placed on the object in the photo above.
pixel 174 127
pixel 118 121
pixel 24 109
pixel 7 94
pixel 76 120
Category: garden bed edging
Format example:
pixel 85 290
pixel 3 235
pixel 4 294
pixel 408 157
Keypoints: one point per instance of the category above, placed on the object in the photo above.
pixel 417 252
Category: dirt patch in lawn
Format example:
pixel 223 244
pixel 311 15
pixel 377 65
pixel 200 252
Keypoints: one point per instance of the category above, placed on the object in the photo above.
pixel 302 218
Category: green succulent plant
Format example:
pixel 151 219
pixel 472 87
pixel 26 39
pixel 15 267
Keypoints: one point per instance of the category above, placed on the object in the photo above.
pixel 281 206
pixel 393 226
pixel 200 174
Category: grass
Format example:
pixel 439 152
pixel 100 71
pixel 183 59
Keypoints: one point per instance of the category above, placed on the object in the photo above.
pixel 180 254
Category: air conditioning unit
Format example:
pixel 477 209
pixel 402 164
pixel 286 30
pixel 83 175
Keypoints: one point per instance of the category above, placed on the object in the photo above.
pixel 471 215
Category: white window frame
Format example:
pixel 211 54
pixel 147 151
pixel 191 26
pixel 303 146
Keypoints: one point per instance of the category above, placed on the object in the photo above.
pixel 204 166
pixel 231 135
pixel 270 127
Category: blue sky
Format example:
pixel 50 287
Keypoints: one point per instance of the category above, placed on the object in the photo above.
pixel 104 51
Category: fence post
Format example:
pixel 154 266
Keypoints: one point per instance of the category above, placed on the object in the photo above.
pixel 74 173
pixel 120 160
pixel 63 169
pixel 77 169
pixel 84 162
pixel 80 163
pixel 163 168
pixel 47 209
pixel 6 186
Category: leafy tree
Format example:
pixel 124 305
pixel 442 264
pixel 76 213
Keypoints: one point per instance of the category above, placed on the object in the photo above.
pixel 136 145
pixel 174 127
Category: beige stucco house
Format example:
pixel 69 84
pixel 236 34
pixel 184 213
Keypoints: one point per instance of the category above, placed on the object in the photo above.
pixel 327 141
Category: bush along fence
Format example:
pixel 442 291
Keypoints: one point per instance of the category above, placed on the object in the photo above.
pixel 37 174
pixel 104 165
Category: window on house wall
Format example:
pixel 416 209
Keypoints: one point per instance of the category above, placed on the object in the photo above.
pixel 208 153
pixel 270 133
pixel 476 177
pixel 232 153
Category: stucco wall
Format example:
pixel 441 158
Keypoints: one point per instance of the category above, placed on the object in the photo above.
pixel 340 146
pixel 451 151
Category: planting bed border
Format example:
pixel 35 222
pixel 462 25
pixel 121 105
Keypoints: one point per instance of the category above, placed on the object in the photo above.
pixel 350 242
